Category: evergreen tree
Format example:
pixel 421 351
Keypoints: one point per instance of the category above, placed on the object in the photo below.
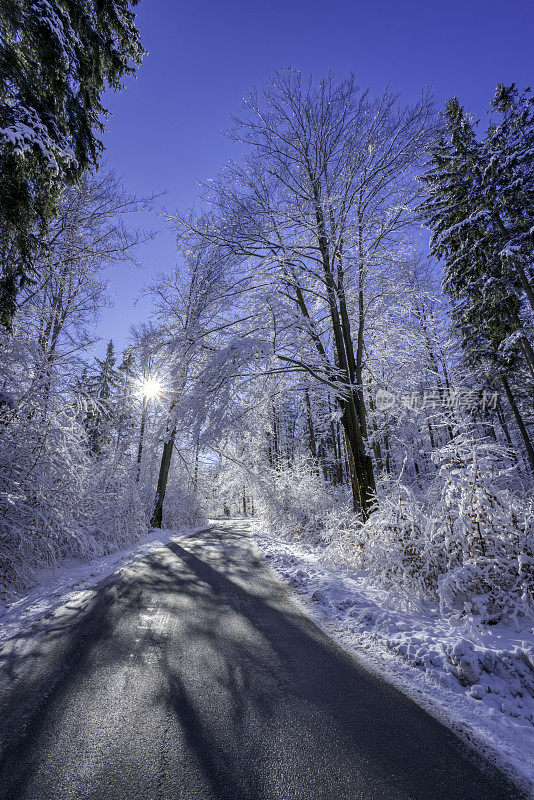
pixel 509 181
pixel 56 59
pixel 101 390
pixel 478 209
pixel 125 417
pixel 473 237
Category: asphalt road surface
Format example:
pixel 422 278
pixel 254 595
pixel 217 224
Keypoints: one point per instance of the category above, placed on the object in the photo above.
pixel 192 675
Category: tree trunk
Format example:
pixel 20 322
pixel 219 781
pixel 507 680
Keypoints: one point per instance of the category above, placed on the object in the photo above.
pixel 518 266
pixel 449 415
pixel 353 417
pixel 141 438
pixel 520 424
pixel 526 347
pixel 337 454
pixel 361 469
pixel 157 516
pixel 376 441
pixel 388 454
pixel 276 453
pixel 340 471
pixel 525 283
pixel 503 424
pixel 311 428
pixel 195 476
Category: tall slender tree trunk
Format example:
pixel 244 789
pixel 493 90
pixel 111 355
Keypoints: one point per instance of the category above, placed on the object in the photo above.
pixel 527 286
pixel 341 472
pixel 528 352
pixel 520 424
pixel 524 343
pixel 311 428
pixel 141 439
pixel 431 435
pixel 517 265
pixel 376 441
pixel 338 472
pixel 388 454
pixel 353 416
pixel 361 470
pixel 195 476
pixel 276 452
pixel 337 453
pixel 503 424
pixel 163 477
pixel 420 311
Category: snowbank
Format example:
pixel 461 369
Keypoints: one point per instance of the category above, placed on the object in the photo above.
pixel 476 678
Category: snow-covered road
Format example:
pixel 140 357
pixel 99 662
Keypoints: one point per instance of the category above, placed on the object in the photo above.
pixel 477 680
pixel 69 582
pixel 192 674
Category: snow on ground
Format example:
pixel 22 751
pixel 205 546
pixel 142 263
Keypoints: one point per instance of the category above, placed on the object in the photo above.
pixel 477 680
pixel 68 582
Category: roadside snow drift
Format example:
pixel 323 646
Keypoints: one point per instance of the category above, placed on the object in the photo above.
pixel 478 679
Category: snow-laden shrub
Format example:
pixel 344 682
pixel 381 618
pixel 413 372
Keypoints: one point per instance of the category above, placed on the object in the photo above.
pixel 182 508
pixel 398 546
pixel 112 509
pixel 42 481
pixel 56 501
pixel 295 501
pixel 488 537
pixel 469 543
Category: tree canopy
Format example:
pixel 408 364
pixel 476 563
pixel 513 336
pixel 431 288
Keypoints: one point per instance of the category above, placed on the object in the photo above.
pixel 56 59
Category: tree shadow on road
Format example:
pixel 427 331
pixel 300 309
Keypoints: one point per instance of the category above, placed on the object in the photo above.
pixel 259 704
pixel 348 734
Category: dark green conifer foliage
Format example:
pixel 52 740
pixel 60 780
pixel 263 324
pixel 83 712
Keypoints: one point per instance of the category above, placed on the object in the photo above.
pixel 468 184
pixel 56 59
pixel 101 390
pixel 509 182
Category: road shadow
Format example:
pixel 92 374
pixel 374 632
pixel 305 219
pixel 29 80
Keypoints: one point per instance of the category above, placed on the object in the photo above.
pixel 259 704
pixel 385 744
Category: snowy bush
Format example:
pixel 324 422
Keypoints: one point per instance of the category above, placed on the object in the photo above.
pixel 398 546
pixel 42 475
pixel 487 535
pixel 467 543
pixel 112 509
pixel 182 508
pixel 295 500
pixel 54 502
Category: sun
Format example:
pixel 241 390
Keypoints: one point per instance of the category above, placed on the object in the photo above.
pixel 151 388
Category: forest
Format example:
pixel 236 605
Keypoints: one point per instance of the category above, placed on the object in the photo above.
pixel 343 350
pixel 341 356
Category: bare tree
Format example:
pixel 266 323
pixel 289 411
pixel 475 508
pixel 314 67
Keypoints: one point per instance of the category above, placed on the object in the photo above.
pixel 187 302
pixel 319 208
pixel 88 236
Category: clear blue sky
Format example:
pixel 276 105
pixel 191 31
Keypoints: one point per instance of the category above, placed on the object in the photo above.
pixel 165 132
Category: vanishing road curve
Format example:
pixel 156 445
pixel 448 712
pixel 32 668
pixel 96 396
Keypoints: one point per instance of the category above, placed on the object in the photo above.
pixel 192 675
